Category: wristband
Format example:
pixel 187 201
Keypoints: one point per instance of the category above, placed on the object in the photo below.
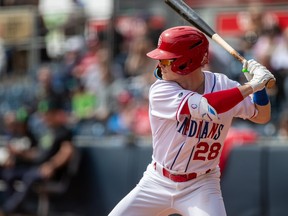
pixel 261 98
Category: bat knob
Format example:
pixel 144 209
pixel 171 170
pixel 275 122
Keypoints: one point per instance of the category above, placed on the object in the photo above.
pixel 271 83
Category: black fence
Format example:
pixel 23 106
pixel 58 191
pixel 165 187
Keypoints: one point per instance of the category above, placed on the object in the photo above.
pixel 254 182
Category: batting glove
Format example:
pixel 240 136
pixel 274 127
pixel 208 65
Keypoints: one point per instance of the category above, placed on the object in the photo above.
pixel 261 75
pixel 201 109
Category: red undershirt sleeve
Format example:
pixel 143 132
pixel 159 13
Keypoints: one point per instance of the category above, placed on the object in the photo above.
pixel 221 101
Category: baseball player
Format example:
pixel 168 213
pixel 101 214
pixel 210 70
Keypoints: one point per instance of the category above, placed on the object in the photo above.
pixel 191 111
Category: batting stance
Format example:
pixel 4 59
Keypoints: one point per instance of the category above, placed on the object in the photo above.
pixel 191 111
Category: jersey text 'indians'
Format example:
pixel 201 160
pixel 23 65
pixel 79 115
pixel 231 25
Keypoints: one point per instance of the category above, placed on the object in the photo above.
pixel 200 129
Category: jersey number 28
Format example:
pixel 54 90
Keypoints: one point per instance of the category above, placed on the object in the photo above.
pixel 205 151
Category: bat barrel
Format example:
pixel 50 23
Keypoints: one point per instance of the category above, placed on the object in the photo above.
pixel 191 16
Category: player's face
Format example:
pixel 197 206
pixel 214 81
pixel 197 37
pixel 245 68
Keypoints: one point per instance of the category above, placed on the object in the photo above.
pixel 167 73
pixel 166 62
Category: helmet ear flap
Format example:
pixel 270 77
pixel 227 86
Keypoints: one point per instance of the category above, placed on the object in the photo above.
pixel 182 65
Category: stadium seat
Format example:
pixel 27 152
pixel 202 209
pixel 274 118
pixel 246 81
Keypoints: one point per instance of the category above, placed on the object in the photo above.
pixel 52 187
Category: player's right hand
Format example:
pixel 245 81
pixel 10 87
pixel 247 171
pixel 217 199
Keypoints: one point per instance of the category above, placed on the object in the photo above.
pixel 261 75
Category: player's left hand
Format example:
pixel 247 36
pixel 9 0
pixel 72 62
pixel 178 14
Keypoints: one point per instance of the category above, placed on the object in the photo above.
pixel 261 75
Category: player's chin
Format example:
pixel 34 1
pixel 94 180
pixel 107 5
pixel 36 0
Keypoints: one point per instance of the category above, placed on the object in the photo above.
pixel 166 78
pixel 169 77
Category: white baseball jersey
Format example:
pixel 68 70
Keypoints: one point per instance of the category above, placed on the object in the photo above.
pixel 183 144
pixel 190 144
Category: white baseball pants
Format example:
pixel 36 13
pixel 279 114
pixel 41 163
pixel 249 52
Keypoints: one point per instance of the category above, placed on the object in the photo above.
pixel 156 195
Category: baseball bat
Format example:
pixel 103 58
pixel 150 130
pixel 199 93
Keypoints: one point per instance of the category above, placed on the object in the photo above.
pixel 193 18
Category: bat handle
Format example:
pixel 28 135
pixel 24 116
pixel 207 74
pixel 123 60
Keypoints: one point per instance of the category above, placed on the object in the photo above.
pixel 239 57
pixel 271 83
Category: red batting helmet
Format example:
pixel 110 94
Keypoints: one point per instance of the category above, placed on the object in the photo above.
pixel 185 44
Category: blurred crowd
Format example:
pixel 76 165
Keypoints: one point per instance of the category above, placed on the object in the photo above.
pixel 264 39
pixel 98 78
pixel 103 75
pixel 103 86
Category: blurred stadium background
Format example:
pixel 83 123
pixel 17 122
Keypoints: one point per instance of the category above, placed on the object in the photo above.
pixel 94 51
